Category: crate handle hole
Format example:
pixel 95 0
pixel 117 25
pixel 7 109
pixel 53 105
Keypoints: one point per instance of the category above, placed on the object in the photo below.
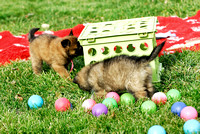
pixel 106 30
pixel 118 49
pixel 131 27
pixel 93 31
pixel 108 24
pixel 143 22
pixel 105 50
pixel 143 26
pixel 143 35
pixel 92 62
pixel 144 46
pixel 130 48
pixel 94 27
pixel 92 52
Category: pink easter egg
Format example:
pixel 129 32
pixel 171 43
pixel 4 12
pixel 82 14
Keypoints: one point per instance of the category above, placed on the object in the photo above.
pixel 62 104
pixel 159 98
pixel 188 113
pixel 88 104
pixel 113 95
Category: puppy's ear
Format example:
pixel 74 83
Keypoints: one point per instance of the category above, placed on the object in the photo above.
pixel 71 33
pixel 65 43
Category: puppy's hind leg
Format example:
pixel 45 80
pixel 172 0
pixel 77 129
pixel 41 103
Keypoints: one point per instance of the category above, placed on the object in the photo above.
pixel 148 82
pixel 149 86
pixel 137 89
pixel 140 94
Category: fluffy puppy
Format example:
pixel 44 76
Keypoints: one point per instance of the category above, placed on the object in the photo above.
pixel 119 73
pixel 55 51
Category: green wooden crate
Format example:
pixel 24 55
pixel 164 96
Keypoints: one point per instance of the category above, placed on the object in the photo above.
pixel 131 37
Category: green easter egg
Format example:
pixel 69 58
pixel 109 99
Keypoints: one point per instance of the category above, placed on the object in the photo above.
pixel 110 103
pixel 173 95
pixel 127 99
pixel 148 107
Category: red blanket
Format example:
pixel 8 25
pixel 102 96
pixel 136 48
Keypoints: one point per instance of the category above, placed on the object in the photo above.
pixel 187 32
pixel 17 47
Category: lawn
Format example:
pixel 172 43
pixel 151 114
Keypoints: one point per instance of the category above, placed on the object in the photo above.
pixel 181 70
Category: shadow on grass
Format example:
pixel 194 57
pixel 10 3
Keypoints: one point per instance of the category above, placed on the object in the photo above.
pixel 177 66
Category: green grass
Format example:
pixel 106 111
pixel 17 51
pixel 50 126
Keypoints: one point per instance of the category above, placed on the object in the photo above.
pixel 182 70
pixel 19 16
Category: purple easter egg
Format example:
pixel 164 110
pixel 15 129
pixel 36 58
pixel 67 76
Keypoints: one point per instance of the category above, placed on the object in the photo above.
pixel 99 109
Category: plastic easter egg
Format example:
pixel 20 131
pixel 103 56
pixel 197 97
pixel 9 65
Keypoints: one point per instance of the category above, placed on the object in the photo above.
pixel 173 95
pixel 191 127
pixel 148 107
pixel 99 109
pixel 159 98
pixel 113 95
pixel 110 103
pixel 88 104
pixel 156 129
pixel 62 104
pixel 188 113
pixel 35 101
pixel 71 106
pixel 127 99
pixel 177 107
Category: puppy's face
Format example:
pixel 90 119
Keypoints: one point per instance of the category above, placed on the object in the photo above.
pixel 82 79
pixel 55 51
pixel 72 46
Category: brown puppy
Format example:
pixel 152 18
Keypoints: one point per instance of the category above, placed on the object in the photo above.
pixel 55 51
pixel 119 73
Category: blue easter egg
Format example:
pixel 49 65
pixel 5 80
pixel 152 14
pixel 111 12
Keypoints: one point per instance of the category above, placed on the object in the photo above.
pixel 177 107
pixel 71 106
pixel 191 127
pixel 156 129
pixel 35 101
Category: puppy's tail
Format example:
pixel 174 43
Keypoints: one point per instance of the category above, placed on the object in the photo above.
pixel 31 36
pixel 153 54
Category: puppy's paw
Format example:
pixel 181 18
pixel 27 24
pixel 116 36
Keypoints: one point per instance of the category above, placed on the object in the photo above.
pixel 69 79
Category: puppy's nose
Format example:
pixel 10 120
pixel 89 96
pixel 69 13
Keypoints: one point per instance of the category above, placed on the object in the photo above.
pixel 81 50
pixel 75 79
